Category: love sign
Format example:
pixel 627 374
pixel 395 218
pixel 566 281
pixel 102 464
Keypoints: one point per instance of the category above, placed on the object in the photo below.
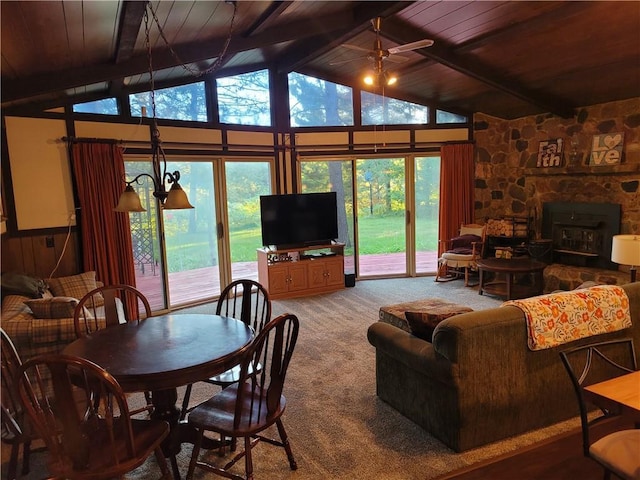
pixel 606 149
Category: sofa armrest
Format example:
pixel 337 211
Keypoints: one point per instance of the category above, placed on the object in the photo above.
pixel 32 336
pixel 415 353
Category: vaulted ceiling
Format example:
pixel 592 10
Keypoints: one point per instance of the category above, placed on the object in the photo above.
pixel 506 59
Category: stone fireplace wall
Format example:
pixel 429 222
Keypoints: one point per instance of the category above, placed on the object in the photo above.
pixel 508 182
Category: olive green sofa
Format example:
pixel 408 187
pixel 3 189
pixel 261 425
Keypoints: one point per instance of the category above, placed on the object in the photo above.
pixel 478 381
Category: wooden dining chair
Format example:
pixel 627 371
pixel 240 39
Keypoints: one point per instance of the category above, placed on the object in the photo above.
pixel 618 452
pixel 245 409
pixel 86 439
pixel 107 306
pixel 16 428
pixel 245 300
pixel 111 305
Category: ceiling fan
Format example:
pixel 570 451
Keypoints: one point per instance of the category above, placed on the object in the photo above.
pixel 378 55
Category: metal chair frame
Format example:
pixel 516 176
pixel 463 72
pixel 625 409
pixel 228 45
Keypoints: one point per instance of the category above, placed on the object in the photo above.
pixel 593 363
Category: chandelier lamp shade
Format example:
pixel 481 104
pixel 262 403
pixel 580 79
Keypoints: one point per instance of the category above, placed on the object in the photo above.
pixel 625 250
pixel 175 198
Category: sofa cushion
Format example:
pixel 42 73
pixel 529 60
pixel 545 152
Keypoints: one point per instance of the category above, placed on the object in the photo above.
pixel 13 305
pixel 76 286
pixel 54 307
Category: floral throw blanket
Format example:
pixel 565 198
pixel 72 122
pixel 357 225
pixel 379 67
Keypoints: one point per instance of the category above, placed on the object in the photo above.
pixel 563 317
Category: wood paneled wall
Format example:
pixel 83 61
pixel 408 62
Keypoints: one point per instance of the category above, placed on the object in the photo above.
pixel 31 255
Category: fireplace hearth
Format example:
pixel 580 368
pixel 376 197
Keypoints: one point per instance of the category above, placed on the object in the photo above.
pixel 581 233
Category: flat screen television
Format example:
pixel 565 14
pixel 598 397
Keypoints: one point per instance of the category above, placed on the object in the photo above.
pixel 299 219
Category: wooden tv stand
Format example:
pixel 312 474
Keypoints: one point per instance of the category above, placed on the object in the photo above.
pixel 300 271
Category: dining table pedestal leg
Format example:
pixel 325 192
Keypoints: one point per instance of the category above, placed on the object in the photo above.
pixel 164 408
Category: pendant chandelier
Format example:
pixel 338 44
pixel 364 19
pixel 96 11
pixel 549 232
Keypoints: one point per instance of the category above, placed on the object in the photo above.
pixel 175 198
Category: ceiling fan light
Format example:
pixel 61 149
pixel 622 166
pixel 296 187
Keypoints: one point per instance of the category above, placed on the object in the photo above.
pixel 390 78
pixel 369 78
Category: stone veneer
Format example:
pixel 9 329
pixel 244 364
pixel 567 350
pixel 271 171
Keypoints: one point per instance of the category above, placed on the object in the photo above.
pixel 509 183
pixel 565 277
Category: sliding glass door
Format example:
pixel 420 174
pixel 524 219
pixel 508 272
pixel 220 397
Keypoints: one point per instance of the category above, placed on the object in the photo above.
pixel 190 236
pixel 381 214
pixel 426 212
pixel 390 207
pixel 245 181
pixel 187 256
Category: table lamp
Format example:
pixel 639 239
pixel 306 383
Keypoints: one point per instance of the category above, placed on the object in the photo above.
pixel 625 250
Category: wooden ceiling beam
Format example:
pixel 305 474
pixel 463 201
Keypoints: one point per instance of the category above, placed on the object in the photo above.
pixel 565 10
pixel 401 32
pixel 128 29
pixel 313 48
pixel 193 52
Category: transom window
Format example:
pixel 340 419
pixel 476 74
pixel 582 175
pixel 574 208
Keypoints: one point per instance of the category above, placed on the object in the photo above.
pixel 244 99
pixel 186 102
pixel 317 103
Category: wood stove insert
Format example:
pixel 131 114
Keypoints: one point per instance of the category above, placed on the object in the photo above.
pixel 581 233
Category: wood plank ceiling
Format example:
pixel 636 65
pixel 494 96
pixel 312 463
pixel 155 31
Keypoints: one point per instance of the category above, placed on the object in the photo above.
pixel 506 59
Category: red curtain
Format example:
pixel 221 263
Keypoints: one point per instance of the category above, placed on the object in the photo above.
pixel 457 176
pixel 105 234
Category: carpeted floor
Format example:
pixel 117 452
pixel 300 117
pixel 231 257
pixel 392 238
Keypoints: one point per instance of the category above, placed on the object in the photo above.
pixel 337 426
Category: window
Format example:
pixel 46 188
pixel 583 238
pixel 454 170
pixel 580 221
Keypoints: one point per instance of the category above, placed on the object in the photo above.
pixel 448 117
pixel 244 99
pixel 380 110
pixel 106 106
pixel 186 102
pixel 317 103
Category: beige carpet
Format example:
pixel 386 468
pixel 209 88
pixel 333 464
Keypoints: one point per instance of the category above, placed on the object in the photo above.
pixel 338 428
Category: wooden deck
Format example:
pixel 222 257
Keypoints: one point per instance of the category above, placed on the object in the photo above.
pixel 203 284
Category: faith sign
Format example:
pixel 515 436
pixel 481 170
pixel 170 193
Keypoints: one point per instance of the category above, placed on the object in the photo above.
pixel 550 153
pixel 606 149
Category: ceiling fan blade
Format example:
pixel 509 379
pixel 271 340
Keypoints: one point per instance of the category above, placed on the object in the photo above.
pixel 396 59
pixel 407 47
pixel 342 62
pixel 356 47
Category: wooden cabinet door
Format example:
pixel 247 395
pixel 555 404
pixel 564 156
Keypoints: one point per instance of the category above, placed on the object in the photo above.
pixel 297 276
pixel 278 279
pixel 334 269
pixel 316 271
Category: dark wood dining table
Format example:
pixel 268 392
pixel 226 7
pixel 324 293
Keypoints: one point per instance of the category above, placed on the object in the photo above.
pixel 162 353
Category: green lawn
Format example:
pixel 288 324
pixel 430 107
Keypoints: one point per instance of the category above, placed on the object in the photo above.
pixel 384 234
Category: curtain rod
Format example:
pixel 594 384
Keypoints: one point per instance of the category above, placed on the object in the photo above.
pixel 110 141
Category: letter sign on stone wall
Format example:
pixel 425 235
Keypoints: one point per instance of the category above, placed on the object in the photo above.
pixel 606 149
pixel 550 153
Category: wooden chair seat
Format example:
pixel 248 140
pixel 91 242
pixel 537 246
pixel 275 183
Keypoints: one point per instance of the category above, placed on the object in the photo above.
pixel 89 434
pixel 252 405
pixel 17 431
pixel 246 300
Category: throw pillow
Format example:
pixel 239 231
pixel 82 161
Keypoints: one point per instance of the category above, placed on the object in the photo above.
pixel 422 324
pixel 13 305
pixel 76 286
pixel 54 307
pixel 465 241
pixel 20 284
